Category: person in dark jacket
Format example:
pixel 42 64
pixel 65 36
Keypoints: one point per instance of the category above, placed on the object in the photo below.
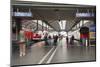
pixel 55 40
pixel 46 40
pixel 72 40
pixel 67 39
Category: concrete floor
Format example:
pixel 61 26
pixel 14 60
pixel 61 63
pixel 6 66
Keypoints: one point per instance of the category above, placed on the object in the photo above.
pixel 41 54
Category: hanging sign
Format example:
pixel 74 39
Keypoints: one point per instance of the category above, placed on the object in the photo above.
pixel 84 14
pixel 23 14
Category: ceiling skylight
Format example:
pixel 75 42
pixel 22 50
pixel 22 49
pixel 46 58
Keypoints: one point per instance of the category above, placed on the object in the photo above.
pixel 62 24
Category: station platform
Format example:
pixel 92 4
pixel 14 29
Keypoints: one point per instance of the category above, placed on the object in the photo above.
pixel 41 54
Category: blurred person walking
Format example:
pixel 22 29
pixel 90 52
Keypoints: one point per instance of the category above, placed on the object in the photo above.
pixel 67 40
pixel 22 45
pixel 72 40
pixel 46 39
pixel 55 40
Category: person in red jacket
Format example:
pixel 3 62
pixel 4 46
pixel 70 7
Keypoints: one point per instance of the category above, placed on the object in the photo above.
pixel 29 36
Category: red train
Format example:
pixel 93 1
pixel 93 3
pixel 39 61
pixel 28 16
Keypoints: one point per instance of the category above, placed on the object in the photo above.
pixel 31 35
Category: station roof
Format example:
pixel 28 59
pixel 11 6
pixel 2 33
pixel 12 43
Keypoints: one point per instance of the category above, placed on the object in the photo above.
pixel 52 13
